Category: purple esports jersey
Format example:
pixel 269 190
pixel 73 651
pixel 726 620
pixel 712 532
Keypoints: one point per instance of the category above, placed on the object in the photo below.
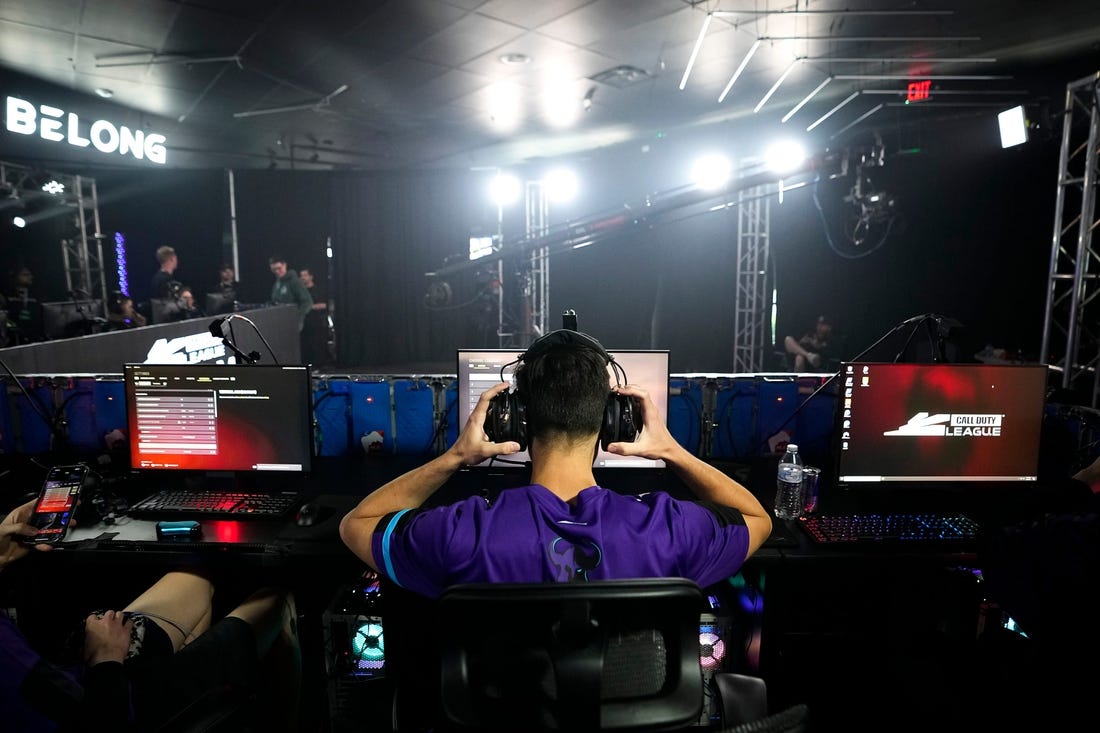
pixel 530 535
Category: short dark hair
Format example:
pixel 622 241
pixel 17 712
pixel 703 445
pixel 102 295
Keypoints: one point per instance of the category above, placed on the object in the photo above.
pixel 276 258
pixel 565 388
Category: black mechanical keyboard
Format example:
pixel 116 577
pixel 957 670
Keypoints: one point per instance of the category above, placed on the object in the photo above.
pixel 187 504
pixel 912 527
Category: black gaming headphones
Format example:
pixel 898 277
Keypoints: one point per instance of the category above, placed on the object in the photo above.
pixel 507 418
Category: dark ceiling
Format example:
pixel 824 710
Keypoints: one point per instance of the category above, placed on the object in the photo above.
pixel 414 83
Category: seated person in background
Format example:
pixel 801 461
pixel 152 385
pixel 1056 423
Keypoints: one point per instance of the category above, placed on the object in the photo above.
pixel 227 282
pixel 188 308
pixel 812 349
pixel 144 664
pixel 121 313
pixel 562 527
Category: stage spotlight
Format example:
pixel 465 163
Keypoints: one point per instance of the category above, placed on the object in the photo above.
pixel 785 156
pixel 505 189
pixel 560 185
pixel 711 171
pixel 19 221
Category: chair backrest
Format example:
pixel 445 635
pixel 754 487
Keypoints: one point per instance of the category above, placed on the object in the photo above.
pixel 607 655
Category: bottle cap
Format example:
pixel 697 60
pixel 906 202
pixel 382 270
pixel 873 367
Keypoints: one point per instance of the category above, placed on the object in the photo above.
pixel 792 446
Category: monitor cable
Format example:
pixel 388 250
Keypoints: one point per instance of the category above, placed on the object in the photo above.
pixel 915 321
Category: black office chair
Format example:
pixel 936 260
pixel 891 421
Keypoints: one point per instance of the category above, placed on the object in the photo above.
pixel 610 655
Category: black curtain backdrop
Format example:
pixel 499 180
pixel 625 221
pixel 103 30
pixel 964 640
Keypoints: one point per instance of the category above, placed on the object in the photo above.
pixel 186 210
pixel 389 230
pixel 280 212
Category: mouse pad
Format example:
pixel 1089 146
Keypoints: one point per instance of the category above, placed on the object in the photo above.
pixel 331 508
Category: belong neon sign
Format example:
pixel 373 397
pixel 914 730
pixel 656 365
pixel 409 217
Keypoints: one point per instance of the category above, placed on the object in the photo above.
pixel 54 124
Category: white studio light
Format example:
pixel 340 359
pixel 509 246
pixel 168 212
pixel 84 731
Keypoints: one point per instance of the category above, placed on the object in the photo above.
pixel 504 189
pixel 505 106
pixel 784 156
pixel 559 104
pixel 711 171
pixel 1013 126
pixel 560 185
pixel 19 221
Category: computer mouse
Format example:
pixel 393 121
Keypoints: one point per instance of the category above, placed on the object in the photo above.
pixel 307 515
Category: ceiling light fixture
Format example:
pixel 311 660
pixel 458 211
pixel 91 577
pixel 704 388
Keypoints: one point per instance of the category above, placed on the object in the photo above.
pixel 514 59
pixel 740 68
pixel 856 121
pixel 775 86
pixel 807 98
pixel 320 104
pixel 695 51
pixel 830 113
pixel 104 92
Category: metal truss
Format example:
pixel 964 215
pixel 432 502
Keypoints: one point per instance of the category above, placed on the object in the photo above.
pixel 538 225
pixel 1071 341
pixel 751 304
pixel 38 194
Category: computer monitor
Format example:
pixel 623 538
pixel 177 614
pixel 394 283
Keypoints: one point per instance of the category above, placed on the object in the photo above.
pixel 69 318
pixel 938 425
pixel 479 369
pixel 219 417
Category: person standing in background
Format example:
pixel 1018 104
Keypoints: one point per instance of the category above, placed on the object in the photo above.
pixel 288 288
pixel 24 319
pixel 163 283
pixel 315 333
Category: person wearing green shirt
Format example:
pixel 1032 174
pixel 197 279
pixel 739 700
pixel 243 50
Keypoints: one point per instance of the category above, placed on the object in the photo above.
pixel 288 288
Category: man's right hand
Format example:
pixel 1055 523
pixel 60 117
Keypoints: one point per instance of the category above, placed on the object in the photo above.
pixel 473 444
pixel 814 359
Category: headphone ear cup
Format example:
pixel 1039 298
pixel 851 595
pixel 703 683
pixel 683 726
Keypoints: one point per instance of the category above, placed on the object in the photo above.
pixel 507 419
pixel 622 420
pixel 610 431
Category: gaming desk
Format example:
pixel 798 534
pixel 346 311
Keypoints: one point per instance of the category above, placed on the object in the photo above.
pixel 840 629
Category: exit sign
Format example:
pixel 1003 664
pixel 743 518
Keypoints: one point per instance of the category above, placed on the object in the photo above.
pixel 917 91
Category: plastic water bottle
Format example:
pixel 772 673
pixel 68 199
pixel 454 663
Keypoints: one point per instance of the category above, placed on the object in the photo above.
pixel 788 485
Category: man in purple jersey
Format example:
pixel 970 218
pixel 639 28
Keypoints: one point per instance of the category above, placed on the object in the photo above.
pixel 562 527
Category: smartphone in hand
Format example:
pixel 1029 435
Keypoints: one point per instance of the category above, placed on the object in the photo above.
pixel 56 503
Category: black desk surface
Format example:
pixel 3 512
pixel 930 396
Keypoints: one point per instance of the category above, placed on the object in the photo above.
pixel 336 485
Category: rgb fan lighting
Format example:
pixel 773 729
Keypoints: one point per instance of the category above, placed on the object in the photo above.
pixel 368 646
pixel 712 648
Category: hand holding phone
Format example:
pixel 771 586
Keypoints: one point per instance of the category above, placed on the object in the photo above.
pixel 56 503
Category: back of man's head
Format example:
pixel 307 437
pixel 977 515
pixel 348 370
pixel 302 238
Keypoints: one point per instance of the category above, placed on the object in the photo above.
pixel 164 254
pixel 565 388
